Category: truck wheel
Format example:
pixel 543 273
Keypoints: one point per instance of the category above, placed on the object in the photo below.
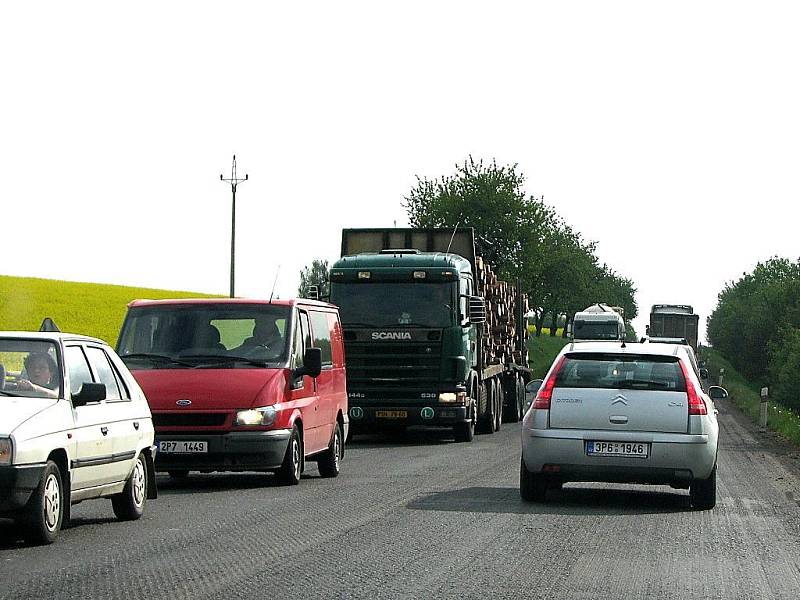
pixel 532 486
pixel 464 432
pixel 486 403
pixel 289 472
pixel 45 510
pixel 128 505
pixel 328 462
pixel 515 395
pixel 498 404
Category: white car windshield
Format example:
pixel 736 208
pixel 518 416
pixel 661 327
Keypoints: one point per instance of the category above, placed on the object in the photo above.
pixel 29 368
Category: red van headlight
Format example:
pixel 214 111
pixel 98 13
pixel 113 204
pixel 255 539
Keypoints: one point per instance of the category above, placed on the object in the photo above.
pixel 256 416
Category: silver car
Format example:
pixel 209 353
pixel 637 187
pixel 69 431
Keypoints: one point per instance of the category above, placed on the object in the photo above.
pixel 616 412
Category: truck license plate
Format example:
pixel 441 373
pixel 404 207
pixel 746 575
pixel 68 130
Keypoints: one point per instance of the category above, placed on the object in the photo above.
pixel 633 449
pixel 391 414
pixel 182 447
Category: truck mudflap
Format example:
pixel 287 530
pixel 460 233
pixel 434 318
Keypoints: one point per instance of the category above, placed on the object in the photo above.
pixel 434 415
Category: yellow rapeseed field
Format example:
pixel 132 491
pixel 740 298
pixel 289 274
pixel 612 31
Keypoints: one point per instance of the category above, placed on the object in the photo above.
pixel 86 308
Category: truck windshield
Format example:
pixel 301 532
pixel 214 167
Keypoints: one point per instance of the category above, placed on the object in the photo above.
pixel 596 330
pixel 203 335
pixel 387 304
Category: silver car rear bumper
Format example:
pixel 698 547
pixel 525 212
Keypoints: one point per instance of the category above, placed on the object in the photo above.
pixel 672 457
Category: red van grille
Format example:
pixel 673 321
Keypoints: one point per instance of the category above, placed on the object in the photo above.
pixel 189 419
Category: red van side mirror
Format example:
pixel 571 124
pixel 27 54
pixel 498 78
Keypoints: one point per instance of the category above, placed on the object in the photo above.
pixel 312 363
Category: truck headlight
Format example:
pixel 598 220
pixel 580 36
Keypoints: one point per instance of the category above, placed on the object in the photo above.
pixel 452 397
pixel 256 416
pixel 5 451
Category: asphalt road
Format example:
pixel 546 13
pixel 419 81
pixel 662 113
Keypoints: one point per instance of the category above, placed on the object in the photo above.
pixel 424 517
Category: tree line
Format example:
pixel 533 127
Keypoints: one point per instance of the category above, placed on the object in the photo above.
pixel 522 238
pixel 756 326
pixel 519 235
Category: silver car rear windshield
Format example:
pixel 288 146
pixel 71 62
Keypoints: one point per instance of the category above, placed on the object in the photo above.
pixel 617 371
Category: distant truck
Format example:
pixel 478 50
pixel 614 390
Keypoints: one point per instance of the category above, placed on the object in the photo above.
pixel 674 321
pixel 431 337
pixel 598 322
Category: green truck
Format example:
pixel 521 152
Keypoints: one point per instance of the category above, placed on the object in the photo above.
pixel 430 335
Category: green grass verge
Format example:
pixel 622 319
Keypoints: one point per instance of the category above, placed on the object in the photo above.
pixel 542 351
pixel 746 396
pixel 87 308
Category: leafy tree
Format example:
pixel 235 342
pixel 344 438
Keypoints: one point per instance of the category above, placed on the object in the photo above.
pixel 520 236
pixel 314 274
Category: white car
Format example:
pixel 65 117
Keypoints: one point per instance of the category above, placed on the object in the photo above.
pixel 629 413
pixel 74 425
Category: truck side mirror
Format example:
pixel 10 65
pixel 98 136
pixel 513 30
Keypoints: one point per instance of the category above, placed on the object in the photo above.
pixel 313 292
pixel 312 364
pixel 477 310
pixel 89 392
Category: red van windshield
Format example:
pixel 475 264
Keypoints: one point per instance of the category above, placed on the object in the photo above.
pixel 185 335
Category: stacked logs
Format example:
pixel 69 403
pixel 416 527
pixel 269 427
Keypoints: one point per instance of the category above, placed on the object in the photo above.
pixel 499 343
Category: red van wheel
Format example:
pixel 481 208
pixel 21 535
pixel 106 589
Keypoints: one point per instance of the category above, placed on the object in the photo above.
pixel 292 466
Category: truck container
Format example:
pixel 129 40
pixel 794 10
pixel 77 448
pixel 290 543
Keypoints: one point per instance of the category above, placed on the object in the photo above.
pixel 431 336
pixel 674 321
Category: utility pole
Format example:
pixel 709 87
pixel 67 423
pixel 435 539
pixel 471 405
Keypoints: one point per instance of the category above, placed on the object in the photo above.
pixel 234 181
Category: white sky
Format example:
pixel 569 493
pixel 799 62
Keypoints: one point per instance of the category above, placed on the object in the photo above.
pixel 667 132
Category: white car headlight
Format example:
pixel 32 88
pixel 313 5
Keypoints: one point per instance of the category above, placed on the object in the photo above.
pixel 256 416
pixel 5 451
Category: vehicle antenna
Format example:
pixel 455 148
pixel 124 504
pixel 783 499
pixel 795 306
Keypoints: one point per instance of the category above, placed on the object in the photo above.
pixel 452 237
pixel 274 283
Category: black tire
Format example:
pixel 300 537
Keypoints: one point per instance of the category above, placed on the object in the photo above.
pixel 486 419
pixel 329 461
pixel 515 398
pixel 465 432
pixel 703 492
pixel 45 510
pixel 129 504
pixel 498 405
pixel 532 486
pixel 178 473
pixel 292 466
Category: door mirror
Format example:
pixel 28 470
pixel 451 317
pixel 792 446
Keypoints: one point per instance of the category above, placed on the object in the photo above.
pixel 716 392
pixel 312 364
pixel 89 392
pixel 477 310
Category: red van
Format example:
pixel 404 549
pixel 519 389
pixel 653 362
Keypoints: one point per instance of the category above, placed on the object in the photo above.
pixel 240 385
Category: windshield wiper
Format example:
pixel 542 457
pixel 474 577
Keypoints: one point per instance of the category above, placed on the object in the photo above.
pixel 159 358
pixel 223 358
pixel 7 393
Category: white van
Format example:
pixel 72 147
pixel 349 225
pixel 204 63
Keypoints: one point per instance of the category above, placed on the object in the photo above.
pixel 598 322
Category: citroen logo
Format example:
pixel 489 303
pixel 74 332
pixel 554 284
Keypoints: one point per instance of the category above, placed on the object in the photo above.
pixel 619 398
pixel 183 402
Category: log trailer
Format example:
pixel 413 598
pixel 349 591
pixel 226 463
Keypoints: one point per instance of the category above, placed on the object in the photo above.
pixel 431 336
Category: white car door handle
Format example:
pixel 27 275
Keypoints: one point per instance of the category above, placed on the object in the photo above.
pixel 104 430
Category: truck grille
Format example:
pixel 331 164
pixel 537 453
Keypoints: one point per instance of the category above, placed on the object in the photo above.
pixel 410 365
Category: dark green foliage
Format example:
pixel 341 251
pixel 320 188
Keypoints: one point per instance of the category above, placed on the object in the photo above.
pixel 756 325
pixel 314 274
pixel 521 237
